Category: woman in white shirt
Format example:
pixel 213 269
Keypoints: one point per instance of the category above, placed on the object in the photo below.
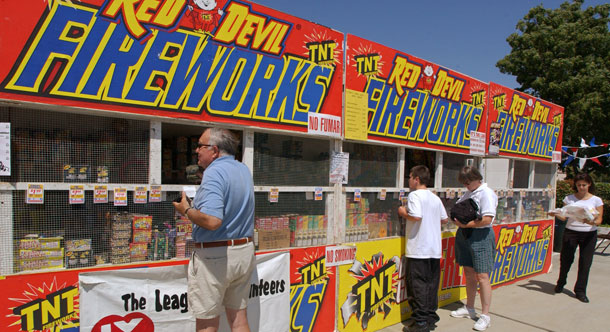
pixel 579 233
pixel 475 247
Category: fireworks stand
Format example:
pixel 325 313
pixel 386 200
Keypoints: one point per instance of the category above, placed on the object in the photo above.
pixel 101 108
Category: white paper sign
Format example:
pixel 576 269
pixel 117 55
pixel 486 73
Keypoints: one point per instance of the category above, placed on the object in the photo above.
pixel 324 124
pixel 5 148
pixel 477 143
pixel 340 255
pixel 339 167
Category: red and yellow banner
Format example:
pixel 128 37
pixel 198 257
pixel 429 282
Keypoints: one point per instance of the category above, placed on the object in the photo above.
pixel 521 125
pixel 221 61
pixel 312 291
pixel 412 101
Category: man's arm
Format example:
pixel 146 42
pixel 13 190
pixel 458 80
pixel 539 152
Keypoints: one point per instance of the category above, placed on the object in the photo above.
pixel 197 217
pixel 402 211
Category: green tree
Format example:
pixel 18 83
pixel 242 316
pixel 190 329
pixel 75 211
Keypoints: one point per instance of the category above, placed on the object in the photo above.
pixel 563 55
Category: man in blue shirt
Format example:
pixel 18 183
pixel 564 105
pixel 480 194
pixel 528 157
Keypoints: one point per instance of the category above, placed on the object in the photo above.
pixel 223 217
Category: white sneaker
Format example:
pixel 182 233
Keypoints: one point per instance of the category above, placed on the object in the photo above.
pixel 464 312
pixel 483 323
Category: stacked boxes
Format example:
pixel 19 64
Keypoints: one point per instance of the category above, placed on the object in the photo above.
pixel 310 230
pixel 361 225
pixel 78 253
pixel 273 232
pixel 40 253
pixel 119 240
pixel 356 222
pixel 142 234
pixel 290 231
pixel 184 231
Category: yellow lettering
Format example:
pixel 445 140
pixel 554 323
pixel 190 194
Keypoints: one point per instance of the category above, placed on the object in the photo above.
pixel 262 33
pixel 50 310
pixel 541 113
pixel 517 107
pixel 273 45
pixel 362 295
pixel 143 14
pixel 169 12
pixel 69 297
pixel 129 15
pixel 505 239
pixel 232 23
pixel 28 312
pixel 404 75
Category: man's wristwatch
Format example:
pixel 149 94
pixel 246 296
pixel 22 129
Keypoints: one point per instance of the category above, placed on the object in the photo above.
pixel 186 212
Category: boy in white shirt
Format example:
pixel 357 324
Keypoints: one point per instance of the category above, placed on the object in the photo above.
pixel 424 214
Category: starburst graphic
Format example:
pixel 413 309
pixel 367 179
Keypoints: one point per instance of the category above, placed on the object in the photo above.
pixel 477 88
pixel 498 92
pixel 368 50
pixel 311 258
pixel 33 292
pixel 321 38
pixel 374 272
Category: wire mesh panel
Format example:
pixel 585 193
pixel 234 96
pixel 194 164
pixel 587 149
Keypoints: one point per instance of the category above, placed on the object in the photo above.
pixel 452 165
pixel 58 234
pixel 295 220
pixel 372 218
pixel 420 157
pixel 61 147
pixel 543 175
pixel 179 156
pixel 290 161
pixel 371 165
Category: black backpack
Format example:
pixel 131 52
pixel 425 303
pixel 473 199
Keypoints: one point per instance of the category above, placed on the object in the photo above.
pixel 465 211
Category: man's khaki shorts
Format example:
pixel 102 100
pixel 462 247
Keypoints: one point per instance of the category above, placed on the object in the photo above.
pixel 219 277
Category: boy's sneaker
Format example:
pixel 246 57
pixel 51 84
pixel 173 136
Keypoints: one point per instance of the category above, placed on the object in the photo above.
pixel 483 323
pixel 464 312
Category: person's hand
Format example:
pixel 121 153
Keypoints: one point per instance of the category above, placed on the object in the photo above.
pixel 458 224
pixel 182 205
pixel 402 210
pixel 552 214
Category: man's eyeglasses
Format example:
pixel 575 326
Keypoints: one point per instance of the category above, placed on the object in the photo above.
pixel 200 145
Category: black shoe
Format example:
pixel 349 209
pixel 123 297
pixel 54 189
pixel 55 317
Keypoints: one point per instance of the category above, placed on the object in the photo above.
pixel 558 289
pixel 582 298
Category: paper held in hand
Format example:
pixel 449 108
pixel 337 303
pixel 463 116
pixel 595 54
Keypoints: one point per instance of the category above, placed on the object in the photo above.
pixel 576 212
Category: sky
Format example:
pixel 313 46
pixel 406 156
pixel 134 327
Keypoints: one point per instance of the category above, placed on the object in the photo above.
pixel 467 36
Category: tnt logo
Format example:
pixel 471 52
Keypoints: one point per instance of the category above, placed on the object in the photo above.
pixel 322 53
pixel 517 107
pixel 478 98
pixel 43 314
pixel 139 15
pixel 499 102
pixel 314 272
pixel 557 120
pixel 375 290
pixel 367 64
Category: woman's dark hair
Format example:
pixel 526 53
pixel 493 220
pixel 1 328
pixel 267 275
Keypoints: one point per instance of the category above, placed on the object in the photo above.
pixel 469 174
pixel 584 177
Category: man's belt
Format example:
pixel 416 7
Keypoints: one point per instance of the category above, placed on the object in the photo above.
pixel 225 243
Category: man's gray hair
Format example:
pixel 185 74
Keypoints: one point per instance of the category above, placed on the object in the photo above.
pixel 224 140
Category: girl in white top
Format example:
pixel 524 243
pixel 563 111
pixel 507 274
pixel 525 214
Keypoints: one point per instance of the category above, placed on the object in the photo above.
pixel 579 233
